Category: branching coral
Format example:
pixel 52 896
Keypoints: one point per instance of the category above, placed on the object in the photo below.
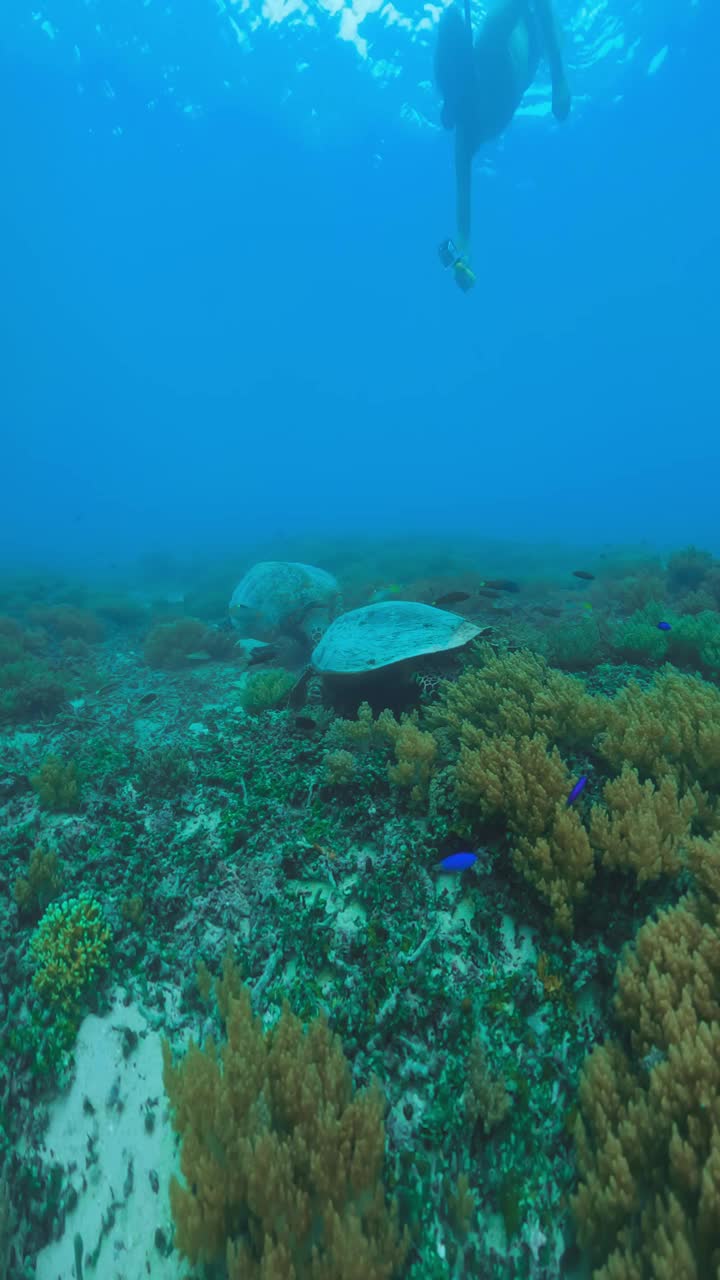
pixel 35 890
pixel 58 785
pixel 675 960
pixel 416 749
pixel 170 644
pixel 644 826
pixel 486 1100
pixel 648 1136
pixel 521 778
pixel 281 1159
pixel 519 694
pixel 672 726
pixel 528 782
pixel 560 865
pixel 263 690
pixel 692 640
pixel 703 858
pixel 339 767
pixel 416 753
pixel 70 946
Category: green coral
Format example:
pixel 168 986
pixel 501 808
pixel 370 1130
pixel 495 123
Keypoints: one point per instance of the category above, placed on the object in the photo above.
pixel 573 646
pixel 67 621
pixel 70 948
pixel 688 568
pixel 34 891
pixel 164 772
pixel 264 690
pixel 170 646
pixel 693 640
pixel 29 689
pixel 638 638
pixel 57 785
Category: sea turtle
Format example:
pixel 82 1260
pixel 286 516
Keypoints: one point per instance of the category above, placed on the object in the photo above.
pixel 399 634
pixel 284 598
pixel 390 645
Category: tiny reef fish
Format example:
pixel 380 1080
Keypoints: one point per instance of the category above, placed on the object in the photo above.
pixel 664 626
pixel 579 786
pixel 583 573
pixel 500 584
pixel 456 862
pixel 452 597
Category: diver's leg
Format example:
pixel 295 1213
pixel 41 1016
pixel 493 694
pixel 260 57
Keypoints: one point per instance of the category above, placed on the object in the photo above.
pixel 463 191
pixel 551 43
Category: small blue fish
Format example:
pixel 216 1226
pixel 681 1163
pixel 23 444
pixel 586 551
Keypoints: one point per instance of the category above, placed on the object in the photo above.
pixel 456 862
pixel 664 626
pixel 579 786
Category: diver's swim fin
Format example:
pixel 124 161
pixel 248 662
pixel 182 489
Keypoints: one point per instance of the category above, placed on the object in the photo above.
pixel 449 257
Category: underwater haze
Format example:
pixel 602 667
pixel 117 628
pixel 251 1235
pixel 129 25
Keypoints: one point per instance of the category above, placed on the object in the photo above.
pixel 224 313
pixel 359 640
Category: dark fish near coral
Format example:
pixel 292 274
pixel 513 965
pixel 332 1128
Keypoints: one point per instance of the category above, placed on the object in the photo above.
pixel 146 700
pixel 583 573
pixel 107 688
pixel 579 786
pixel 664 626
pixel 452 597
pixel 549 611
pixel 500 584
pixel 306 724
pixel 266 653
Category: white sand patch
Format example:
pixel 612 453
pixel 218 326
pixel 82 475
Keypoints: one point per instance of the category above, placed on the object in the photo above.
pixel 119 1167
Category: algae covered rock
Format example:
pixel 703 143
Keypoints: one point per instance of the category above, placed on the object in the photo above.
pixel 392 633
pixel 284 597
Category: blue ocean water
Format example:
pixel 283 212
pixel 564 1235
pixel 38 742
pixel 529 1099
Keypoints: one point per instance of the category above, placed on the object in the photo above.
pixel 224 311
pixel 359 651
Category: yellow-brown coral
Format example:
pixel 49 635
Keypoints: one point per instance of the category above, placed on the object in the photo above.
pixel 517 694
pixel 560 865
pixel 644 827
pixel 521 778
pixel 671 727
pixel 282 1161
pixel 648 1136
pixel 416 753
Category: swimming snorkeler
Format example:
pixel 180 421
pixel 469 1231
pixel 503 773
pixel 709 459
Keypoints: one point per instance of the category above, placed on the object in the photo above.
pixel 483 83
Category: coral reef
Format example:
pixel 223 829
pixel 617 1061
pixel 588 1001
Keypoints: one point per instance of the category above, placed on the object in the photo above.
pixel 644 826
pixel 516 693
pixel 58 785
pixel 70 948
pixel 34 891
pixel 673 726
pixel 586 928
pixel 170 646
pixel 263 690
pixel 648 1136
pixel 282 1161
pixel 67 622
pixel 486 1099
